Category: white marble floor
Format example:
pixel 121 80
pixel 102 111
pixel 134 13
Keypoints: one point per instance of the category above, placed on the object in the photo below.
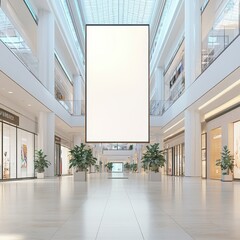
pixel 121 209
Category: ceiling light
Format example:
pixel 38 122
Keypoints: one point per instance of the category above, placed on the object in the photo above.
pixel 10 92
pixel 220 94
pixel 223 107
pixel 29 105
pixel 173 126
pixel 175 133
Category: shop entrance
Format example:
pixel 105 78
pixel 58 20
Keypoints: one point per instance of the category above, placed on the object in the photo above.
pixel 215 152
pixel 57 168
pixel 9 151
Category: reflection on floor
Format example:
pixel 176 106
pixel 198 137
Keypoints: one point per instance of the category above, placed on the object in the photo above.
pixel 124 209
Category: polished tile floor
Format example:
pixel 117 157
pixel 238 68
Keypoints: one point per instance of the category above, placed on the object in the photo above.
pixel 123 209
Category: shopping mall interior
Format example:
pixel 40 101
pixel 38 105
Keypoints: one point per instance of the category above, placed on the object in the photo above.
pixel 189 97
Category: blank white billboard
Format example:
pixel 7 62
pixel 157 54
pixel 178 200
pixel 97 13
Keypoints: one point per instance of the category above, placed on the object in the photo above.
pixel 117 83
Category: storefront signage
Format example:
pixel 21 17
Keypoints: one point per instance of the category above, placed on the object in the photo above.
pixel 9 117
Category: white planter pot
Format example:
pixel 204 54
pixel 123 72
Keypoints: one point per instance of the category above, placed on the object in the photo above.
pixel 227 178
pixel 80 176
pixel 154 177
pixel 40 175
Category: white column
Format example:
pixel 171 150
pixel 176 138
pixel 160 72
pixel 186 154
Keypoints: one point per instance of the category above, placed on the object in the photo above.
pixel 77 92
pixel 46 137
pixel 192 143
pixel 46 49
pixel 192 41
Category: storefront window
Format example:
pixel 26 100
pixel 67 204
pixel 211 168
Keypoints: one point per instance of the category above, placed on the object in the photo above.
pixel 237 150
pixel 170 161
pixel 65 160
pixel 117 167
pixel 204 155
pixel 0 150
pixel 215 152
pixel 9 152
pixel 25 154
pixel 57 159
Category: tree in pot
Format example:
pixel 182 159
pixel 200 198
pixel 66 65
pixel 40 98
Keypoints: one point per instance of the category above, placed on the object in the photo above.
pixel 153 159
pixel 40 163
pixel 133 167
pixel 127 167
pixel 81 158
pixel 227 164
pixel 97 169
pixel 100 166
pixel 109 166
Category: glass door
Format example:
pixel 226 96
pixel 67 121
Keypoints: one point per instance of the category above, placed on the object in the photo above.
pixel 9 152
pixel 57 162
pixel 215 152
pixel 117 167
pixel 237 150
pixel 204 155
pixel 170 160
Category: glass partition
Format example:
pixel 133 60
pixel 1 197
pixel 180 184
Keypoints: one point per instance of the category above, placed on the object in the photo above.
pixel 9 151
pixel 63 86
pixel 65 157
pixel 25 154
pixel 237 150
pixel 117 167
pixel 220 26
pixel 215 152
pixel 13 40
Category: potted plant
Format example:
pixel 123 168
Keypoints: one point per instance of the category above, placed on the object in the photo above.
pixel 40 163
pixel 126 167
pixel 133 167
pixel 97 169
pixel 81 158
pixel 100 166
pixel 130 147
pixel 109 166
pixel 227 164
pixel 153 159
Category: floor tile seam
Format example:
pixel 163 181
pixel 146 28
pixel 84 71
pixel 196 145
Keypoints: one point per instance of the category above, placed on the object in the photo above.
pixel 135 215
pixel 73 212
pixel 104 210
pixel 179 224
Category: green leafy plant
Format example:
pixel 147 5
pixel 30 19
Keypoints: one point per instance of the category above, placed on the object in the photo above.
pixel 109 166
pixel 133 167
pixel 127 166
pixel 81 157
pixel 153 158
pixel 40 162
pixel 97 169
pixel 130 147
pixel 226 162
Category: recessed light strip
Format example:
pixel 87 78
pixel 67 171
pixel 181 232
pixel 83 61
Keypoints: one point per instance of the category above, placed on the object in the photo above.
pixel 173 125
pixel 220 94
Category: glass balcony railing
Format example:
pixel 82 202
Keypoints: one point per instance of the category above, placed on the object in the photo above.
pixel 224 30
pixel 118 146
pixel 13 40
pixel 74 107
